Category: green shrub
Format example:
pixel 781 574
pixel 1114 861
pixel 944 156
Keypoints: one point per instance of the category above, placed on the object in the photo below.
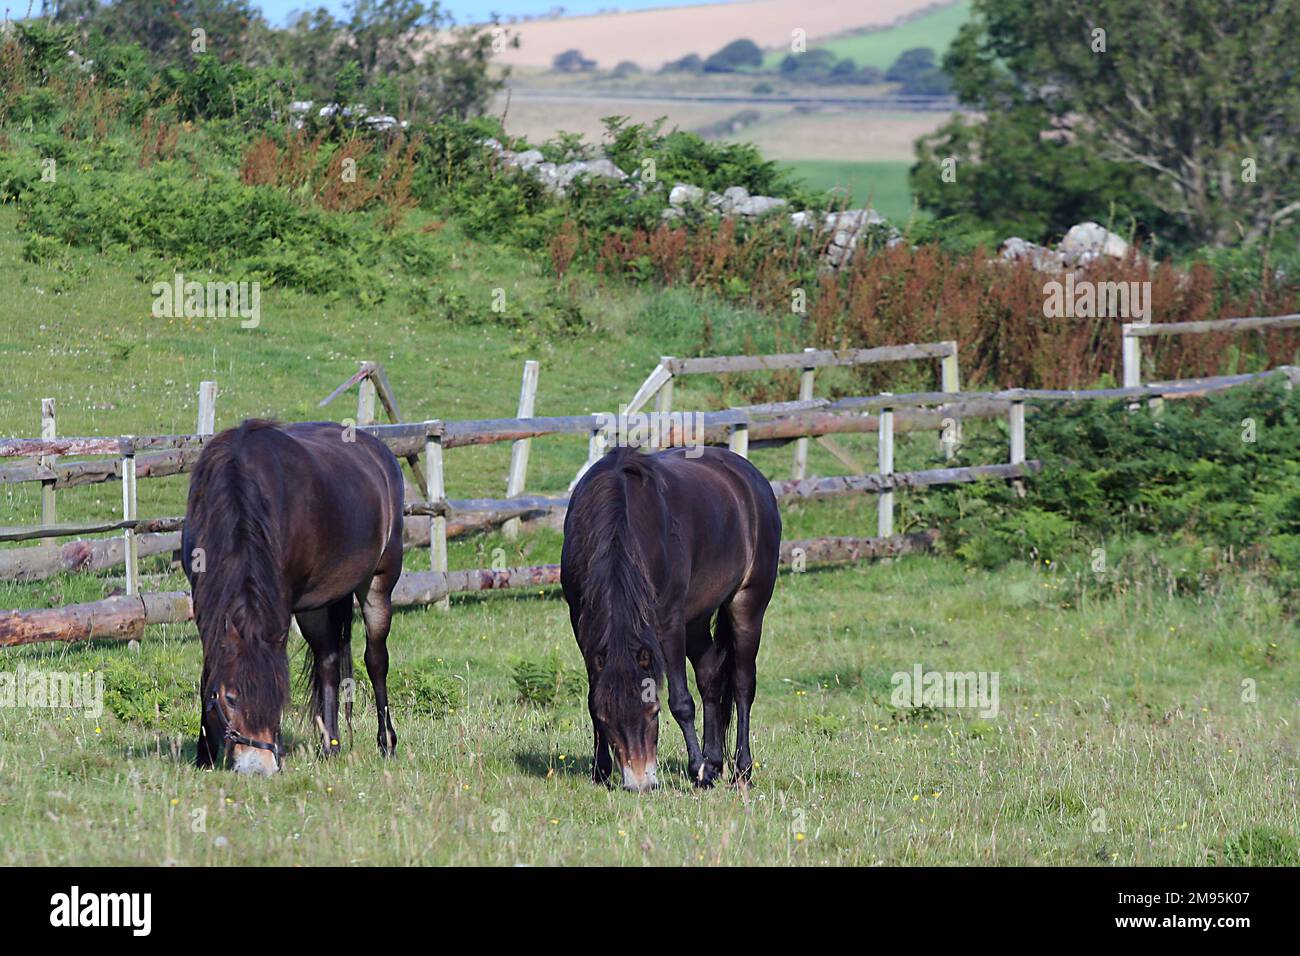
pixel 547 680
pixel 1261 846
pixel 425 692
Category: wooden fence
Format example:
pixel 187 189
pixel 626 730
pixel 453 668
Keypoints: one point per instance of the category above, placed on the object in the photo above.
pixel 659 384
pixel 134 457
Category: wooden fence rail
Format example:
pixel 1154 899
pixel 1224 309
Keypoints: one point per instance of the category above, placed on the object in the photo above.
pixel 659 384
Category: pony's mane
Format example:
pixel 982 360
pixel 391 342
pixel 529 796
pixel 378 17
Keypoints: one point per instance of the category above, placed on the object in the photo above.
pixel 617 615
pixel 240 588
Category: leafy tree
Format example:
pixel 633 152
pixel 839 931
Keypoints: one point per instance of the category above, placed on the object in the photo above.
pixel 1010 180
pixel 572 61
pixel 929 83
pixel 736 55
pixel 232 30
pixel 911 63
pixel 407 56
pixel 1185 110
pixel 690 63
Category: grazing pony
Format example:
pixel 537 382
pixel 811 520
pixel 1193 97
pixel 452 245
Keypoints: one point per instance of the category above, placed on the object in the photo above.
pixel 654 547
pixel 289 520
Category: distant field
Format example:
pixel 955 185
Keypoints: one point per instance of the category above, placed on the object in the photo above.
pixel 882 185
pixel 881 48
pixel 653 37
pixel 841 135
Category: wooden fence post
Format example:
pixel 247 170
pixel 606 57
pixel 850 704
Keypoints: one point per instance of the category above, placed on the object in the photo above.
pixel 207 408
pixel 664 397
pixel 800 470
pixel 519 451
pixel 366 401
pixel 437 495
pixel 1016 421
pixel 597 442
pixel 49 430
pixel 1131 352
pixel 885 445
pixel 950 381
pixel 129 513
pixel 738 440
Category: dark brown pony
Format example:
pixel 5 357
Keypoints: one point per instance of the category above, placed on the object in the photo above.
pixel 654 547
pixel 289 520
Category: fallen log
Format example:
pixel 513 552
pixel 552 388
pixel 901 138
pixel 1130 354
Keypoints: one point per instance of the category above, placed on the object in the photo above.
pixel 125 616
pixel 83 554
pixel 117 618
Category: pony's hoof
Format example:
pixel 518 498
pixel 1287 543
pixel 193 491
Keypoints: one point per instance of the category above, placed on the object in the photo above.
pixel 705 775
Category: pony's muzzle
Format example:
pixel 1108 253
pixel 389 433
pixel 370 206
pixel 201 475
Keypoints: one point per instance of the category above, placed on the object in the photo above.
pixel 253 760
pixel 640 782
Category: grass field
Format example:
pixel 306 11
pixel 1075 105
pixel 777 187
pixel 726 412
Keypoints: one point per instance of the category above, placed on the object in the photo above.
pixel 1121 739
pixel 655 36
pixel 882 185
pixel 1122 735
pixel 881 48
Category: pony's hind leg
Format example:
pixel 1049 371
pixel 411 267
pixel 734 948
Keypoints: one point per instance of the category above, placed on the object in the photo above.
pixel 377 612
pixel 745 613
pixel 711 658
pixel 327 632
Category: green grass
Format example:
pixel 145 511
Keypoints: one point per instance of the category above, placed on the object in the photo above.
pixel 882 47
pixel 882 184
pixel 1122 736
pixel 1121 739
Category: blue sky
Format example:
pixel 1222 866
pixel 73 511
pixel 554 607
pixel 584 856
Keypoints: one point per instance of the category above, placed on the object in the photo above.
pixel 473 10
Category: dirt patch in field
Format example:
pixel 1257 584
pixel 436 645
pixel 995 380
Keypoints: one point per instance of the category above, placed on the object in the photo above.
pixel 540 119
pixel 859 135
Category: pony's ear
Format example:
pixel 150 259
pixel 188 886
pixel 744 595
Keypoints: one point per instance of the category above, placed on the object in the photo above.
pixel 643 658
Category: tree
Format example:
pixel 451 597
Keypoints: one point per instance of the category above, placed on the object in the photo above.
pixel 572 61
pixel 690 63
pixel 929 83
pixel 407 57
pixel 232 30
pixel 911 63
pixel 1196 101
pixel 736 55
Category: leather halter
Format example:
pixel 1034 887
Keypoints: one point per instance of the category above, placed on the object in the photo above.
pixel 231 735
